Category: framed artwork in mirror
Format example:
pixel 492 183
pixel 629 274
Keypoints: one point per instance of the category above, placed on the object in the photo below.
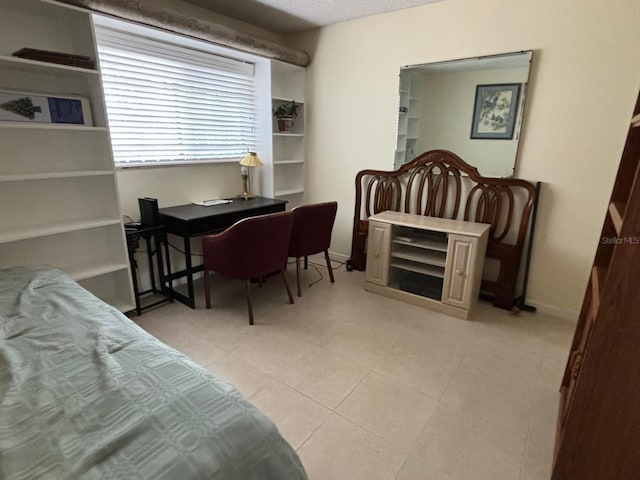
pixel 494 112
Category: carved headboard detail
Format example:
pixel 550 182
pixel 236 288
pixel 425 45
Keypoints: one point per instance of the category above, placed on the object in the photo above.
pixel 438 183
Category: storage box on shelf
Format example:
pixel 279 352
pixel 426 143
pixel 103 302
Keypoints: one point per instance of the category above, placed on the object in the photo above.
pixel 58 194
pixel 431 262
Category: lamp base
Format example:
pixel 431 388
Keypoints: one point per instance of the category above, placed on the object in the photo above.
pixel 246 196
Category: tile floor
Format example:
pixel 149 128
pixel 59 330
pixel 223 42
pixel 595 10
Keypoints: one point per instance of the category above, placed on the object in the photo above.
pixel 366 387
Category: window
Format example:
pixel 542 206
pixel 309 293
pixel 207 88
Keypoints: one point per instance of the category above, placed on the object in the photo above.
pixel 169 104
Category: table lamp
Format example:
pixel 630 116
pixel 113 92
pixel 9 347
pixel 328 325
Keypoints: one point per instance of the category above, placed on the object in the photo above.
pixel 250 160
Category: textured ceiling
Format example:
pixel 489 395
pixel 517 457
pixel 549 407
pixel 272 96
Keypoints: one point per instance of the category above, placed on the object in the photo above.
pixel 288 16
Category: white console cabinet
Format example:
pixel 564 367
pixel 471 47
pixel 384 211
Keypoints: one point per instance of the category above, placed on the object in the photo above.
pixel 431 262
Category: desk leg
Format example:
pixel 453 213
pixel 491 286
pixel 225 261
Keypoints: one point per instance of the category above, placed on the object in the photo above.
pixel 191 299
pixel 166 289
pixel 134 280
pixel 152 273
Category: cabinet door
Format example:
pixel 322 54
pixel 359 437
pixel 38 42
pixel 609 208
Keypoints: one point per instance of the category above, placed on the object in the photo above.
pixel 459 274
pixel 378 248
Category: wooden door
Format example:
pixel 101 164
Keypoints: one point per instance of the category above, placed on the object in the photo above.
pixel 459 271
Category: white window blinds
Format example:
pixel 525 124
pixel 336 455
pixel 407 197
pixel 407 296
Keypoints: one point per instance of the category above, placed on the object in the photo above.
pixel 168 104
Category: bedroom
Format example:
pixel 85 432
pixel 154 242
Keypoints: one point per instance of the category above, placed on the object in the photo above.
pixel 572 141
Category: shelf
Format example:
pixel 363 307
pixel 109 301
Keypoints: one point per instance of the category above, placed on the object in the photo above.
pixel 36 66
pixel 420 256
pixel 287 162
pixel 283 134
pixel 424 269
pixel 615 212
pixel 53 175
pixel 83 272
pixel 284 193
pixel 420 243
pixel 635 121
pixel 283 99
pixel 52 126
pixel 54 229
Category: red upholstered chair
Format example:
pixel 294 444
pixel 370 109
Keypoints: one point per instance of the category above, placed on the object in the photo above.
pixel 251 248
pixel 312 226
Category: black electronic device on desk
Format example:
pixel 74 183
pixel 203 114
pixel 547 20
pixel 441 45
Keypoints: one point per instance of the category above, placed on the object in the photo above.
pixel 149 216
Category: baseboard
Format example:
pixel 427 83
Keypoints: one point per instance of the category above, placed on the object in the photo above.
pixel 338 257
pixel 554 311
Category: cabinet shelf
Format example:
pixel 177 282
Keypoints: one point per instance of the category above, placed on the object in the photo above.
pixel 54 229
pixel 433 271
pixel 420 256
pixel 53 175
pixel 421 243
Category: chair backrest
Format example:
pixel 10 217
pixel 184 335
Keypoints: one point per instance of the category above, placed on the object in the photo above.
pixel 252 247
pixel 312 226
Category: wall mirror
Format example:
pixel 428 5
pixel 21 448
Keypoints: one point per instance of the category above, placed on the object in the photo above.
pixel 472 107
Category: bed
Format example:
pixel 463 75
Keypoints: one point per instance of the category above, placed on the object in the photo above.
pixel 87 394
pixel 438 183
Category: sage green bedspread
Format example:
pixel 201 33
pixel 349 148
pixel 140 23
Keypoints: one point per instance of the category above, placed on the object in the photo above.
pixel 87 394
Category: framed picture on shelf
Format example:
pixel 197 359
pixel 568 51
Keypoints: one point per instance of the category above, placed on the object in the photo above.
pixel 494 111
pixel 44 108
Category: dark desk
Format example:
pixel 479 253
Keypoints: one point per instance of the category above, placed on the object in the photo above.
pixel 159 236
pixel 188 221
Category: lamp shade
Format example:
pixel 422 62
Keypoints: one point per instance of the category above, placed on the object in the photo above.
pixel 251 160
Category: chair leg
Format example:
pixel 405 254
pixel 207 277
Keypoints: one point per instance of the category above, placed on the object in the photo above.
pixel 248 289
pixel 306 262
pixel 286 284
pixel 298 275
pixel 326 258
pixel 207 293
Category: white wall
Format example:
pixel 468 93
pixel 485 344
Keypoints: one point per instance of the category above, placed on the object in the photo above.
pixel 447 108
pixel 584 81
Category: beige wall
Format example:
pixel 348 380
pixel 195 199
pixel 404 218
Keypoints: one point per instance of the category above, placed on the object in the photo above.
pixel 177 185
pixel 584 80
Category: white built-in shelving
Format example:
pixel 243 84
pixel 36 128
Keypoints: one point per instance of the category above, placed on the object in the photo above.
pixel 58 193
pixel 284 172
pixel 408 133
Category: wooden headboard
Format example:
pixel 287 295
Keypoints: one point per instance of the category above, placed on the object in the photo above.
pixel 438 183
